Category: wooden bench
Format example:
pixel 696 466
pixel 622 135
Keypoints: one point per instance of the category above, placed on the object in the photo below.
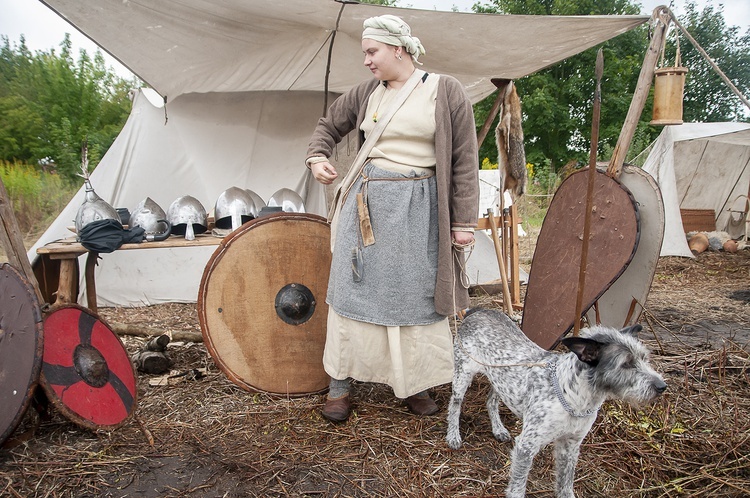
pixel 68 250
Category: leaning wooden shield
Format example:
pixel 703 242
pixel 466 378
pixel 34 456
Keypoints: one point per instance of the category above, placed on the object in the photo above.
pixel 86 372
pixel 262 306
pixel 550 304
pixel 622 304
pixel 21 334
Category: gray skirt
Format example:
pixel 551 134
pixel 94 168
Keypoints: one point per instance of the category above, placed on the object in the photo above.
pixel 397 284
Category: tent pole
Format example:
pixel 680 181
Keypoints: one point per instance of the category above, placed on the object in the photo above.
pixel 662 17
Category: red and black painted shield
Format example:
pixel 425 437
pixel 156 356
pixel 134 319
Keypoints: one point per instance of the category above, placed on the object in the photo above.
pixel 86 371
pixel 21 336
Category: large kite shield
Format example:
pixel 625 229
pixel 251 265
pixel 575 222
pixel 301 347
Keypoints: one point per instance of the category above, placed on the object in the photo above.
pixel 21 335
pixel 550 304
pixel 87 373
pixel 261 304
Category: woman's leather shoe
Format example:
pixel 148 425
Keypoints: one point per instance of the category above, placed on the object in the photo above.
pixel 337 409
pixel 422 404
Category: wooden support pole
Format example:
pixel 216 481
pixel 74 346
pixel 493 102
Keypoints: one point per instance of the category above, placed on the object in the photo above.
pixel 501 263
pixel 10 237
pixel 91 260
pixel 67 282
pixel 641 92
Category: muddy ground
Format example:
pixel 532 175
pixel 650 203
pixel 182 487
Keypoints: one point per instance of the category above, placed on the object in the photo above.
pixel 206 437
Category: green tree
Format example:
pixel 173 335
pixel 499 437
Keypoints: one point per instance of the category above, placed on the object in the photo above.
pixel 50 104
pixel 557 102
pixel 707 97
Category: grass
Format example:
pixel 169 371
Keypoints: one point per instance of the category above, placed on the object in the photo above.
pixel 37 197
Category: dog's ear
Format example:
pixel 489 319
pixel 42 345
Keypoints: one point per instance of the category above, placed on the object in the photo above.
pixel 632 330
pixel 587 350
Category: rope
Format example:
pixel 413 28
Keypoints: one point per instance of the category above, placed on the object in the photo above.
pixel 463 248
pixel 710 61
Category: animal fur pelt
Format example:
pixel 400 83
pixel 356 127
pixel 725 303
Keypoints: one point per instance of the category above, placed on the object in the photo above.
pixel 511 156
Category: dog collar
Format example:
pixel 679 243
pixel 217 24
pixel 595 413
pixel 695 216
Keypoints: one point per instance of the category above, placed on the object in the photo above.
pixel 552 367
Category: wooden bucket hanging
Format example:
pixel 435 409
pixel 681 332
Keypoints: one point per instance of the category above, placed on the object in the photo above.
pixel 261 304
pixel 669 85
pixel 669 92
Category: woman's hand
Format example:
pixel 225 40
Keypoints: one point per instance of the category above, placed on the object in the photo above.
pixel 324 172
pixel 461 238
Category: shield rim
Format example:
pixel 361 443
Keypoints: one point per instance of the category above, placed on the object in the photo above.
pixel 36 366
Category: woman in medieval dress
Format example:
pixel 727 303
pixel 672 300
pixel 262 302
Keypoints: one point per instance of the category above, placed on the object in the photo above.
pixel 403 223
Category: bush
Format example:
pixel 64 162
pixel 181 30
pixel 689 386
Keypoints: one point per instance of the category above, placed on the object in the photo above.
pixel 36 197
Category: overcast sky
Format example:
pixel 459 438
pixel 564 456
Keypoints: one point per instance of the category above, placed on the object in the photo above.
pixel 44 30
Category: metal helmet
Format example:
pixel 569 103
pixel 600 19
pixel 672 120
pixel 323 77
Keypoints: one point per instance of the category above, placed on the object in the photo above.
pixel 93 208
pixel 187 217
pixel 152 218
pixel 233 208
pixel 288 200
pixel 258 200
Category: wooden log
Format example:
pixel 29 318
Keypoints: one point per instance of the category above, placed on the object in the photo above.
pixel 146 331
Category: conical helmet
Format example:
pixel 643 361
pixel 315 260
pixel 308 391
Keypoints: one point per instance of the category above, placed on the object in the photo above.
pixel 288 200
pixel 187 217
pixel 93 208
pixel 258 200
pixel 233 208
pixel 149 216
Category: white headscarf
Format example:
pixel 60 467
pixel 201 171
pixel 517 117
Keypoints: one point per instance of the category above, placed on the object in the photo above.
pixel 392 30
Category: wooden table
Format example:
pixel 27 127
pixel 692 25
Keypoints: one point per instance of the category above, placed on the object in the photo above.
pixel 68 250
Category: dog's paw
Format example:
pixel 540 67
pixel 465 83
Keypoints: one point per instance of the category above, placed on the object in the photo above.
pixel 454 441
pixel 502 434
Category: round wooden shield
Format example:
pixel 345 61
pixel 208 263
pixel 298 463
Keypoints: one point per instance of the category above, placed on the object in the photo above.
pixel 261 304
pixel 622 303
pixel 86 371
pixel 21 334
pixel 550 304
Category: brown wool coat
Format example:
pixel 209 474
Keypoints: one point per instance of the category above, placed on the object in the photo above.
pixel 456 170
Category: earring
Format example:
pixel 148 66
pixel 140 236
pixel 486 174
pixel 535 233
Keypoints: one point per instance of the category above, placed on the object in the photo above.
pixel 399 57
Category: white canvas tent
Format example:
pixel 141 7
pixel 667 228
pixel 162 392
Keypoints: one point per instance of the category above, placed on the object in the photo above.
pixel 699 166
pixel 245 82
